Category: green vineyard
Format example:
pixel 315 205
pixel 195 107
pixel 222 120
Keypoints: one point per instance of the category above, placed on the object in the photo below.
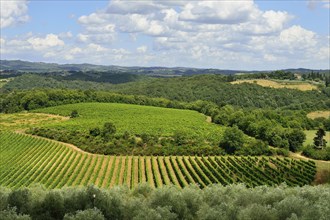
pixel 26 160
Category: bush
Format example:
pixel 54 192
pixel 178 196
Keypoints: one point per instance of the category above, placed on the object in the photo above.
pixel 88 214
pixel 12 215
pixel 74 114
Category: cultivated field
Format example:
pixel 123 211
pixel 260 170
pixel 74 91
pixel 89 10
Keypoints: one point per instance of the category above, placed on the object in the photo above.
pixel 136 119
pixel 26 160
pixel 319 114
pixel 303 86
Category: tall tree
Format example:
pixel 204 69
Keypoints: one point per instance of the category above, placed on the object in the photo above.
pixel 319 141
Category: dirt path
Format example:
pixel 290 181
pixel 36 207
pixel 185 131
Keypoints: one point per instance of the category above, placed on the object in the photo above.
pixel 299 156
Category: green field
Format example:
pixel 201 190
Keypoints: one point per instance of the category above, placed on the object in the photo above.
pixel 311 134
pixel 26 160
pixel 136 119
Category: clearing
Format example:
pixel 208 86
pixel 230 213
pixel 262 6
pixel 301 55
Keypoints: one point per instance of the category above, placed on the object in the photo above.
pixel 303 86
pixel 319 114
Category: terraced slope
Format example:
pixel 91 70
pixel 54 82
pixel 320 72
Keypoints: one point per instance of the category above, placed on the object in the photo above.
pixel 26 160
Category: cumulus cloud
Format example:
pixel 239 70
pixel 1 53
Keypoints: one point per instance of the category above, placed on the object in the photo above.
pixel 218 12
pixel 51 40
pixel 13 12
pixel 218 34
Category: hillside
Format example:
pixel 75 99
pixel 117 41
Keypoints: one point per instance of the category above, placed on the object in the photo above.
pixel 27 160
pixel 303 86
pixel 214 88
pixel 19 66
pixel 136 119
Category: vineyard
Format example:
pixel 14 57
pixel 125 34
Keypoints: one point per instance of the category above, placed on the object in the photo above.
pixel 26 160
pixel 136 119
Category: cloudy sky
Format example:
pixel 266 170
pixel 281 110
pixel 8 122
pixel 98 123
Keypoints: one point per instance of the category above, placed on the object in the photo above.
pixel 236 34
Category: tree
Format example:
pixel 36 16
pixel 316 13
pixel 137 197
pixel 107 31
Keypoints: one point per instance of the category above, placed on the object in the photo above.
pixel 232 140
pixel 319 142
pixel 296 138
pixel 21 199
pixel 74 114
pixel 109 129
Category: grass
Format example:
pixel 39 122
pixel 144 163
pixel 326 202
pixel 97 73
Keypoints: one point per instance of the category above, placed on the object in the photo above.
pixel 136 119
pixel 303 86
pixel 19 121
pixel 319 114
pixel 310 134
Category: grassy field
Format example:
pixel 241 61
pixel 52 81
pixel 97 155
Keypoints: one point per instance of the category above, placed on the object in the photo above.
pixel 303 86
pixel 136 119
pixel 26 160
pixel 311 134
pixel 20 121
pixel 319 114
pixel 3 82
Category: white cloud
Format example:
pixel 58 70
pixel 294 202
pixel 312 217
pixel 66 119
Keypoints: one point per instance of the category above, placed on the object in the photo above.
pixel 222 34
pixel 13 12
pixel 142 49
pixel 218 12
pixel 297 37
pixel 133 7
pixel 51 40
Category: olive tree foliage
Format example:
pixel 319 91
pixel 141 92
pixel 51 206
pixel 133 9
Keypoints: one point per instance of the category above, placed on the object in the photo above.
pixel 169 202
pixel 88 214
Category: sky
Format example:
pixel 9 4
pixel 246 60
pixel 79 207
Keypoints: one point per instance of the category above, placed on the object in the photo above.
pixel 223 34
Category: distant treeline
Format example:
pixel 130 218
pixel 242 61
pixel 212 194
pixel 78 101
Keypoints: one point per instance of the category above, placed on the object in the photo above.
pixel 278 128
pixel 167 203
pixel 213 88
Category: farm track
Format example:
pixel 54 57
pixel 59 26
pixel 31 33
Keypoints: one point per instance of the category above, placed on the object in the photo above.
pixel 28 159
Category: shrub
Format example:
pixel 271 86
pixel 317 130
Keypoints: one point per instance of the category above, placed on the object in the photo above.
pixel 88 214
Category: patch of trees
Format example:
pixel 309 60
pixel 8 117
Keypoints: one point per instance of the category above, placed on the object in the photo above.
pixel 317 76
pixel 318 150
pixel 278 129
pixel 279 74
pixel 144 202
pixel 105 140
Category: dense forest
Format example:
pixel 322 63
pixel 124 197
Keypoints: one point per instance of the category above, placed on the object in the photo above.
pixel 214 88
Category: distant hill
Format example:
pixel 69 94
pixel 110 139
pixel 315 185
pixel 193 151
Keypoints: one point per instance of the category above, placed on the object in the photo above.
pixel 12 67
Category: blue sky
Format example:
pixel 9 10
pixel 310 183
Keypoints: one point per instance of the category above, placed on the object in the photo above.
pixel 221 34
